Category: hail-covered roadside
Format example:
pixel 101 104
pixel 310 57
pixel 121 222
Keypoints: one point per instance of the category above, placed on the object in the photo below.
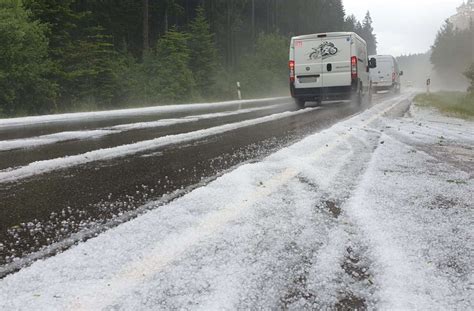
pixel 375 211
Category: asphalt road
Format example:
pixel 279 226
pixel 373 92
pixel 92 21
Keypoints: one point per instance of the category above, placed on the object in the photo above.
pixel 255 206
pixel 43 213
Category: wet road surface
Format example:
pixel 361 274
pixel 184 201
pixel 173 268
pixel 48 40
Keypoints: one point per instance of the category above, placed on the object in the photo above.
pixel 36 126
pixel 366 213
pixel 59 208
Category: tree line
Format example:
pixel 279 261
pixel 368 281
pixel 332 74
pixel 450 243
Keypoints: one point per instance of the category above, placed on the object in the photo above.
pixel 452 55
pixel 70 55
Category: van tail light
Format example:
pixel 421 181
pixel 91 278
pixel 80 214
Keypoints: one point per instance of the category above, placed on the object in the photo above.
pixel 354 67
pixel 394 76
pixel 291 65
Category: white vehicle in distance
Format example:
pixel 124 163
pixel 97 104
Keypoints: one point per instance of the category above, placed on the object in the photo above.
pixel 386 77
pixel 329 66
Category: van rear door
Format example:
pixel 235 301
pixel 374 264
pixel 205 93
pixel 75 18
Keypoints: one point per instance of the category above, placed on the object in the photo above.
pixel 336 61
pixel 308 64
pixel 383 73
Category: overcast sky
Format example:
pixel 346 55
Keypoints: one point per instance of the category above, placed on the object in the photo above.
pixel 404 26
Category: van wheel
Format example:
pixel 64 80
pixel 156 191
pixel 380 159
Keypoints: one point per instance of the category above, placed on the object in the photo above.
pixel 300 103
pixel 369 96
pixel 359 96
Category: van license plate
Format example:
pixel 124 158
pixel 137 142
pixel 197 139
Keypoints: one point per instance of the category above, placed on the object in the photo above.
pixel 308 79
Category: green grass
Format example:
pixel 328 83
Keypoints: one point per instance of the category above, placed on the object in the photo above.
pixel 454 104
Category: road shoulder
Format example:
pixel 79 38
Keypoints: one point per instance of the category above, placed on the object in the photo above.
pixel 414 208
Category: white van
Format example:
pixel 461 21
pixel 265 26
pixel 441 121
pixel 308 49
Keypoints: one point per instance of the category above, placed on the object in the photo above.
pixel 386 77
pixel 329 66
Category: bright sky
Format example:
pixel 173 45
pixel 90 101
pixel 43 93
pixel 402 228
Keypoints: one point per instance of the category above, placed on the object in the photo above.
pixel 404 26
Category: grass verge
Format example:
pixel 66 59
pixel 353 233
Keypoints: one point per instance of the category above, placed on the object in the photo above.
pixel 455 104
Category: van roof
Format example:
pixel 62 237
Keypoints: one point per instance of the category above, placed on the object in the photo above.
pixel 381 56
pixel 328 35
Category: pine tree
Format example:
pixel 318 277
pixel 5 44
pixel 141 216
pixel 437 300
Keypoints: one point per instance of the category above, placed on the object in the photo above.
pixel 265 70
pixel 332 14
pixel 452 54
pixel 350 23
pixel 367 33
pixel 122 20
pixel 24 64
pixel 167 77
pixel 204 60
pixel 61 20
pixel 470 76
pixel 178 82
pixel 443 46
pixel 84 57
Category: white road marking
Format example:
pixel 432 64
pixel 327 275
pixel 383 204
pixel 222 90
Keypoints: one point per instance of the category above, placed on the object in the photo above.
pixel 47 166
pixel 49 139
pixel 101 115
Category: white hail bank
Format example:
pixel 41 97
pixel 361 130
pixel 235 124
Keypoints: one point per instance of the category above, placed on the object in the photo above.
pixel 329 66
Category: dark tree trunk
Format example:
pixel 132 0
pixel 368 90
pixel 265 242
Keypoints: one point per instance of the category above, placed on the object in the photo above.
pixel 146 25
pixel 267 2
pixel 166 18
pixel 229 33
pixel 253 19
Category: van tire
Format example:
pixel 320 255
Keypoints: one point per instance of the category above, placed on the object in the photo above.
pixel 356 98
pixel 398 90
pixel 369 96
pixel 359 96
pixel 300 103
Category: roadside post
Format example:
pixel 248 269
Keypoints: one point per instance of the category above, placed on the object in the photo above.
pixel 428 83
pixel 239 92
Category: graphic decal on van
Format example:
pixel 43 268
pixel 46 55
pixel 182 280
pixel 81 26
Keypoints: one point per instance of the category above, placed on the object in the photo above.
pixel 324 50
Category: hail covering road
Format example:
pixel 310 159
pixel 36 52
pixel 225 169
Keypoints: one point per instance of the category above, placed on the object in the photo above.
pixel 65 178
pixel 248 206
